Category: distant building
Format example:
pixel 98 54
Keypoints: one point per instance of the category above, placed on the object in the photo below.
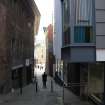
pixel 19 21
pixel 57 38
pixel 46 43
pixel 50 59
pixel 40 53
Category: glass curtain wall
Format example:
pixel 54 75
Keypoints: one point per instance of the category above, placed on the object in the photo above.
pixel 66 22
pixel 83 30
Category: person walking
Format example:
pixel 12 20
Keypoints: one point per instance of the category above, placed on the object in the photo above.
pixel 44 79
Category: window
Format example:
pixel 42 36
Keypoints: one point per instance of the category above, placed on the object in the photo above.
pixel 67 36
pixel 66 12
pixel 66 22
pixel 13 46
pixel 15 1
pixel 83 31
pixel 84 11
pixel 83 34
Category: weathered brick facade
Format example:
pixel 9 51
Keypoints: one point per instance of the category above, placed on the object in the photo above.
pixel 17 29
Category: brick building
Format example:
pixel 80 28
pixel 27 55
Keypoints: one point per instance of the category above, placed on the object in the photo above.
pixel 19 21
pixel 50 59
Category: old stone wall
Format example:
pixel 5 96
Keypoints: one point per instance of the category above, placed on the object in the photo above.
pixel 16 40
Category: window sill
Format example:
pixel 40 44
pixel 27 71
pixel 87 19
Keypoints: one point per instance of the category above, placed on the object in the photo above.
pixel 80 45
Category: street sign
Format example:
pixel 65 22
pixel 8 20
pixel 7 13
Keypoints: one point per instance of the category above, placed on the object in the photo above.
pixel 27 62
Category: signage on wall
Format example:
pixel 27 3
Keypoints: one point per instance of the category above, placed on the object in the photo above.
pixel 27 62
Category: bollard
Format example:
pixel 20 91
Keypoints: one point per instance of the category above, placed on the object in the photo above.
pixel 12 91
pixel 52 86
pixel 21 91
pixel 36 86
pixel 21 88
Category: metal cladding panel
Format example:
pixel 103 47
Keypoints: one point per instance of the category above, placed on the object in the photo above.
pixel 100 4
pixel 82 54
pixel 100 24
pixel 100 42
pixel 100 28
pixel 100 16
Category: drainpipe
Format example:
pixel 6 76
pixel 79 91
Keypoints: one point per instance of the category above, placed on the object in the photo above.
pixel 62 45
pixel 94 25
pixel 62 19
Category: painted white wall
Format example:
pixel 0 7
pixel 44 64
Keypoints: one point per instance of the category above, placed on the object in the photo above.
pixel 100 55
pixel 57 43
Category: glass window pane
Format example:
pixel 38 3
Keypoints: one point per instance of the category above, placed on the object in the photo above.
pixel 83 34
pixel 66 22
pixel 83 11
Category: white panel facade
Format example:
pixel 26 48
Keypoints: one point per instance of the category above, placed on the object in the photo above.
pixel 100 4
pixel 100 55
pixel 57 29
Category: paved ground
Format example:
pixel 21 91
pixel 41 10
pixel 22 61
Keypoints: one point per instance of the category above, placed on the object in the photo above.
pixel 43 96
pixel 71 99
pixel 30 97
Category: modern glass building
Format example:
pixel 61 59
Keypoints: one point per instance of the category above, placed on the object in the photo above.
pixel 78 31
pixel 83 46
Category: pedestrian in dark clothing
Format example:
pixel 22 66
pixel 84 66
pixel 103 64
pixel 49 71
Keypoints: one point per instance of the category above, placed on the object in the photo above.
pixel 44 79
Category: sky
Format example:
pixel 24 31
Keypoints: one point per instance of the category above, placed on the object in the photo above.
pixel 46 9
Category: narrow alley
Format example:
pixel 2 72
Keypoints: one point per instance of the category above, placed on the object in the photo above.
pixel 43 96
pixel 52 52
